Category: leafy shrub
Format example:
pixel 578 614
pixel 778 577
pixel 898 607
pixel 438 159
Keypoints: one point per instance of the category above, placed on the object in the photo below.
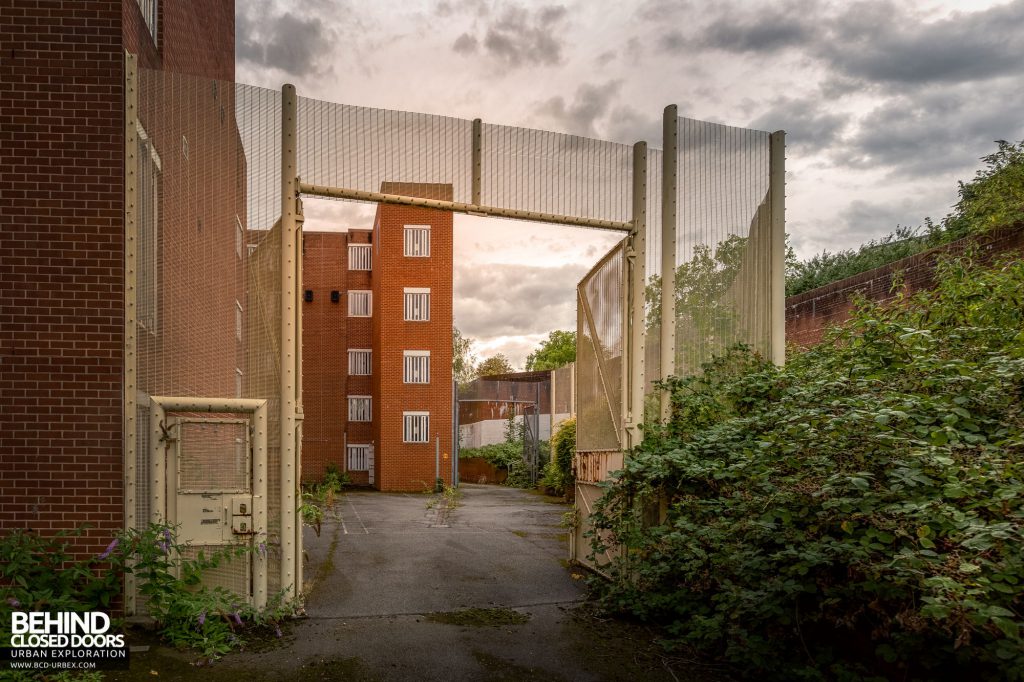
pixel 41 574
pixel 994 198
pixel 558 474
pixel 858 512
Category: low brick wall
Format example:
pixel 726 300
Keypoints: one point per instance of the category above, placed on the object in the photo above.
pixel 479 470
pixel 810 314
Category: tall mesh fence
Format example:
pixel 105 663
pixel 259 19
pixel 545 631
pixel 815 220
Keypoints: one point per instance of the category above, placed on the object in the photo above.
pixel 723 232
pixel 207 180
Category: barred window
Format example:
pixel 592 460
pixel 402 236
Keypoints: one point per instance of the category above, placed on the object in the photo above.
pixel 417 240
pixel 416 366
pixel 148 222
pixel 359 361
pixel 416 427
pixel 359 303
pixel 239 236
pixel 359 256
pixel 149 15
pixel 358 457
pixel 359 408
pixel 417 305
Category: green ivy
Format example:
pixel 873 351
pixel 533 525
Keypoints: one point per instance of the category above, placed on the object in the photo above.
pixel 857 513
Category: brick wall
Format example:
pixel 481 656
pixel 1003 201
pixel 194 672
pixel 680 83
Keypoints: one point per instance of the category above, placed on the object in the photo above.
pixel 399 465
pixel 61 245
pixel 61 255
pixel 808 315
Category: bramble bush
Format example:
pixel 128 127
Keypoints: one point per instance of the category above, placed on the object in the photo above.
pixel 856 514
pixel 558 475
pixel 41 574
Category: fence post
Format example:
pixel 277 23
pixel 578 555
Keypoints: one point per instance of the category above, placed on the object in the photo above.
pixel 777 183
pixel 289 332
pixel 131 147
pixel 669 199
pixel 637 297
pixel 478 153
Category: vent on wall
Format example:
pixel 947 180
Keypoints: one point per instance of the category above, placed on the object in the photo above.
pixel 335 296
pixel 309 296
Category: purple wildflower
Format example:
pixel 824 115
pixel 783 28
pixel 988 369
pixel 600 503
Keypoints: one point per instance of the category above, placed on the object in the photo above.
pixel 263 549
pixel 167 535
pixel 238 619
pixel 202 619
pixel 277 631
pixel 163 546
pixel 110 548
pixel 13 602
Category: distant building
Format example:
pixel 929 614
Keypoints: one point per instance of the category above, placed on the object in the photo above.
pixel 377 347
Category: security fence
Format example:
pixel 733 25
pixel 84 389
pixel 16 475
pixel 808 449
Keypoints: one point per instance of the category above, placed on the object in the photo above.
pixel 215 173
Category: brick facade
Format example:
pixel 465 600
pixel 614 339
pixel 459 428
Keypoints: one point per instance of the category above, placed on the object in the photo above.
pixel 329 332
pixel 62 245
pixel 811 313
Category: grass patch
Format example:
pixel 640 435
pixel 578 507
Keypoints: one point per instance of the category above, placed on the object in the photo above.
pixel 480 618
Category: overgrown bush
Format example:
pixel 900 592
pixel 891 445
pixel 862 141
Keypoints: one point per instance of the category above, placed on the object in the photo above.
pixel 859 512
pixel 993 198
pixel 558 475
pixel 508 455
pixel 41 574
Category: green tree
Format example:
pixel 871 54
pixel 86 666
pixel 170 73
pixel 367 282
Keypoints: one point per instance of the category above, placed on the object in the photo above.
pixel 496 364
pixel 555 351
pixel 463 358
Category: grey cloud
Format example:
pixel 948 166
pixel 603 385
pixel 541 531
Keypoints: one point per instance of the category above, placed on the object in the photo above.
pixel 590 103
pixel 861 220
pixel 809 126
pixel 938 130
pixel 519 36
pixel 465 44
pixel 515 299
pixel 627 125
pixel 289 42
pixel 662 10
pixel 767 30
pixel 882 41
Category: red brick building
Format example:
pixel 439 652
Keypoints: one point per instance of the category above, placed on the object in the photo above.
pixel 377 347
pixel 62 241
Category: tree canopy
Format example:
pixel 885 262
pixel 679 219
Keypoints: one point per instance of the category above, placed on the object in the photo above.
pixel 496 364
pixel 555 351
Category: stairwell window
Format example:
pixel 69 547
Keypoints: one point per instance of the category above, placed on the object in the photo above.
pixel 150 12
pixel 358 457
pixel 416 365
pixel 359 361
pixel 359 408
pixel 360 303
pixel 416 427
pixel 417 241
pixel 417 305
pixel 359 256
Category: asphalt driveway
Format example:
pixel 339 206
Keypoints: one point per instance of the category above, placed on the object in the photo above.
pixel 388 554
pixel 398 588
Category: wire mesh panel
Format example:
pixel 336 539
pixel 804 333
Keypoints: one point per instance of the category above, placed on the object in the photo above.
pixel 600 334
pixel 214 456
pixel 534 170
pixel 723 255
pixel 208 310
pixel 360 148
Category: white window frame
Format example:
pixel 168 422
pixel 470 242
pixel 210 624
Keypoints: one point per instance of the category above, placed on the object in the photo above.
pixel 359 453
pixel 239 237
pixel 415 424
pixel 360 257
pixel 360 358
pixel 416 241
pixel 356 413
pixel 149 170
pixel 238 321
pixel 416 304
pixel 416 366
pixel 355 294
pixel 150 15
pixel 238 383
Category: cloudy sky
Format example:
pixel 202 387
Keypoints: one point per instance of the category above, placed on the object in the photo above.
pixel 885 104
